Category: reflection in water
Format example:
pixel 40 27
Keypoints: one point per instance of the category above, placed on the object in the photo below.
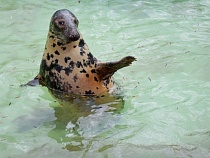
pixel 81 120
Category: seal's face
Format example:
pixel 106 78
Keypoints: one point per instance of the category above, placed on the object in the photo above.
pixel 64 25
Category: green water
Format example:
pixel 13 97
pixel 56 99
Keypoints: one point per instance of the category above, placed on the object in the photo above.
pixel 166 91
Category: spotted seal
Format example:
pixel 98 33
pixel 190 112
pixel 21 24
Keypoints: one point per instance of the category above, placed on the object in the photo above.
pixel 67 64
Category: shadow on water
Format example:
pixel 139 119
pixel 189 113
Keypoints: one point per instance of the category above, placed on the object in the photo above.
pixel 80 121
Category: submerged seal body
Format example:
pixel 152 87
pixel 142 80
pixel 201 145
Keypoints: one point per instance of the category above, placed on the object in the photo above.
pixel 68 66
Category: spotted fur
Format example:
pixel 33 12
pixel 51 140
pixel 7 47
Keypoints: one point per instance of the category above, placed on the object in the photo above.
pixel 67 64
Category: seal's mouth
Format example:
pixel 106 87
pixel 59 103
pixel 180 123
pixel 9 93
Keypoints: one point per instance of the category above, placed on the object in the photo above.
pixel 74 37
pixel 67 35
pixel 69 39
pixel 66 38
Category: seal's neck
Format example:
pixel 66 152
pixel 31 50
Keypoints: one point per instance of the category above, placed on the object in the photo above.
pixel 74 51
pixel 53 42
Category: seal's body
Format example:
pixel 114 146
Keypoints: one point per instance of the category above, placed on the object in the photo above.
pixel 68 66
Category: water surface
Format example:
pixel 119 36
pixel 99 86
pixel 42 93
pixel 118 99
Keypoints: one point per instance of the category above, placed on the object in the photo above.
pixel 166 92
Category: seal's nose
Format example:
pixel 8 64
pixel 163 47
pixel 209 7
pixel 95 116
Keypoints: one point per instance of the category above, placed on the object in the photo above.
pixel 74 36
pixel 72 33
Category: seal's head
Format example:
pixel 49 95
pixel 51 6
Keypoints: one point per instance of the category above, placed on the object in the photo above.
pixel 64 25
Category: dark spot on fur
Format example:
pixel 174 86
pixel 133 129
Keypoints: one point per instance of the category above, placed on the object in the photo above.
pixel 51 55
pixel 53 65
pixel 89 92
pixel 91 59
pixel 106 82
pixel 93 71
pixel 67 70
pixel 56 61
pixel 84 63
pixel 71 65
pixel 64 48
pixel 53 79
pixel 79 64
pixel 87 75
pixel 81 43
pixel 57 52
pixel 48 56
pixel 54 45
pixel 77 86
pixel 66 59
pixel 90 56
pixel 81 53
pixel 59 43
pixel 75 78
pixel 58 68
pixel 83 71
pixel 103 96
pixel 95 78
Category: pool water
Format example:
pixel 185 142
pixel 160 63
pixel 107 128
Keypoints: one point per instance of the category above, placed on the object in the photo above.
pixel 166 110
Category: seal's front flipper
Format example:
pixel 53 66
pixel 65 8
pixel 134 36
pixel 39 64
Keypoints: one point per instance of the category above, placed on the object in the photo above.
pixel 36 81
pixel 106 70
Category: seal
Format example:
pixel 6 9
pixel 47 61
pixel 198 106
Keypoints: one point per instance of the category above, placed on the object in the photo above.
pixel 68 66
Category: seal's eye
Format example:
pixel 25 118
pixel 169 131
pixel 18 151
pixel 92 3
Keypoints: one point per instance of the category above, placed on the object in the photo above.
pixel 61 23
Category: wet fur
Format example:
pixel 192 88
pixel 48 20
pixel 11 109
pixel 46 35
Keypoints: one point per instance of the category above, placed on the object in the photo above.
pixel 67 64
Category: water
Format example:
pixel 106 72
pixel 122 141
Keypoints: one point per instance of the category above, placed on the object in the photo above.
pixel 166 92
